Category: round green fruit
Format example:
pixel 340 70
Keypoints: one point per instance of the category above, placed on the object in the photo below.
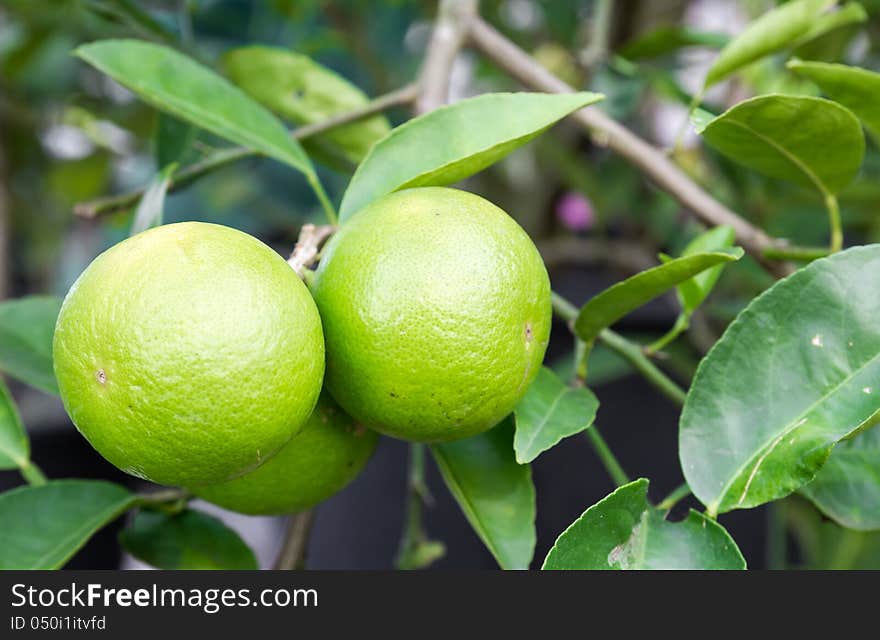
pixel 189 354
pixel 436 312
pixel 320 461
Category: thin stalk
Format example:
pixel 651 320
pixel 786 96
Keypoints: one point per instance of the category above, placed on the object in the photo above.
pixel 609 461
pixel 677 495
pixel 296 541
pixel 836 243
pixel 32 474
pixel 415 550
pixel 600 33
pixel 800 254
pixel 326 205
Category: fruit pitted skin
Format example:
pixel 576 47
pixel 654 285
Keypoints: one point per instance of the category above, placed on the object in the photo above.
pixel 436 311
pixel 189 354
pixel 320 461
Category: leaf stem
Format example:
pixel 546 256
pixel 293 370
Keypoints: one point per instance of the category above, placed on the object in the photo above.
pixel 32 474
pixel 224 157
pixel 836 243
pixel 609 461
pixel 677 495
pixel 318 188
pixel 414 550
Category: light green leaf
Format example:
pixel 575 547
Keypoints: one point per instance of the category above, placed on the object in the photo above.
pixel 775 30
pixel 27 326
pixel 44 526
pixel 623 531
pixel 855 88
pixel 611 305
pixel 849 14
pixel 454 142
pixel 14 445
pixel 304 92
pixel 549 412
pixel 824 545
pixel 692 292
pixel 186 540
pixel 810 141
pixel 150 209
pixel 495 493
pixel 847 489
pixel 798 370
pixel 669 38
pixel 175 83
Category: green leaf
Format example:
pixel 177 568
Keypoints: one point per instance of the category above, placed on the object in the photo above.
pixel 667 39
pixel 549 412
pixel 150 209
pixel 454 142
pixel 173 139
pixel 694 291
pixel 304 92
pixel 775 30
pixel 849 14
pixel 186 540
pixel 175 83
pixel 44 526
pixel 847 489
pixel 855 88
pixel 798 370
pixel 606 308
pixel 810 141
pixel 27 326
pixel 495 493
pixel 623 531
pixel 14 445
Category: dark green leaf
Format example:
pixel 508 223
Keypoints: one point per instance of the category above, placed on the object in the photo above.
pixel 174 83
pixel 549 412
pixel 14 445
pixel 173 139
pixel 26 329
pixel 44 526
pixel 304 92
pixel 623 531
pixel 454 142
pixel 798 370
pixel 186 540
pixel 810 141
pixel 778 29
pixel 855 88
pixel 150 209
pixel 611 305
pixel 495 493
pixel 847 489
pixel 670 38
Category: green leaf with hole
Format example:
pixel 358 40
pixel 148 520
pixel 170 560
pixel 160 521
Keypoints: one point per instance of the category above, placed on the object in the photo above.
pixel 623 531
pixel 186 540
pixel 304 92
pixel 847 489
pixel 495 493
pixel 44 526
pixel 855 88
pixel 151 207
pixel 27 326
pixel 797 371
pixel 177 84
pixel 14 444
pixel 774 31
pixel 669 38
pixel 454 142
pixel 549 412
pixel 810 141
pixel 609 306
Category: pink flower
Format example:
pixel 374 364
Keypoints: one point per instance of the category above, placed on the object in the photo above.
pixel 575 212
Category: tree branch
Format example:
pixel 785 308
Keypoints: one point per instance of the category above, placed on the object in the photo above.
pixel 447 38
pixel 609 133
pixel 219 159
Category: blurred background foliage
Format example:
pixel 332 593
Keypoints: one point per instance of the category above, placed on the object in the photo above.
pixel 69 134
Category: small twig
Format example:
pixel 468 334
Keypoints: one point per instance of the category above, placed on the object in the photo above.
pixel 609 133
pixel 224 157
pixel 612 466
pixel 415 550
pixel 308 246
pixel 296 541
pixel 600 34
pixel 676 495
pixel 447 38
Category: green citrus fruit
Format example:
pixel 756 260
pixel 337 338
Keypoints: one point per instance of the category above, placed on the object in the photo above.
pixel 189 354
pixel 323 458
pixel 436 312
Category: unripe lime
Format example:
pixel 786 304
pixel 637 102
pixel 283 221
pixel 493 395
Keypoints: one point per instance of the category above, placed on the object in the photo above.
pixel 324 457
pixel 189 354
pixel 436 312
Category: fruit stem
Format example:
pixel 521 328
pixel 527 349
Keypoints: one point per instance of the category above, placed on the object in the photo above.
pixel 296 541
pixel 612 466
pixel 415 550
